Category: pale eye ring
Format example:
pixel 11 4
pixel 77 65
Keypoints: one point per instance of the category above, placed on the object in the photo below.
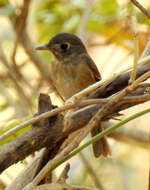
pixel 65 46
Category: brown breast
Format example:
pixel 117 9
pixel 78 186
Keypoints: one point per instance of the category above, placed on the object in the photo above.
pixel 71 78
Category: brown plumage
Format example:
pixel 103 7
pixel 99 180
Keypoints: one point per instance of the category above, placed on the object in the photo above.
pixel 73 70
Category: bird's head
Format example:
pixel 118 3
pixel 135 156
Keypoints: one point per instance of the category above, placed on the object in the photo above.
pixel 64 46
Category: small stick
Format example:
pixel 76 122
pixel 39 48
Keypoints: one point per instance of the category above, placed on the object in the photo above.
pixel 136 49
pixel 64 175
pixel 139 6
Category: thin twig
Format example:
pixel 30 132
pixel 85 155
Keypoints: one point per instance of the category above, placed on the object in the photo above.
pixel 136 49
pixel 50 114
pixel 21 19
pixel 35 58
pixel 139 6
pixel 29 48
pixel 64 175
pixel 28 173
pixel 78 104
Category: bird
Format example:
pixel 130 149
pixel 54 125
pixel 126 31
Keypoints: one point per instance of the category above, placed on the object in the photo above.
pixel 71 71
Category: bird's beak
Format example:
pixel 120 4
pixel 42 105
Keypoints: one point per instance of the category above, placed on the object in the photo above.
pixel 44 47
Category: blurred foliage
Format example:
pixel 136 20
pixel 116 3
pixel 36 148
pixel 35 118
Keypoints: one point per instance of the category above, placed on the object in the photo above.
pixel 106 18
pixel 109 19
pixel 3 2
pixel 56 16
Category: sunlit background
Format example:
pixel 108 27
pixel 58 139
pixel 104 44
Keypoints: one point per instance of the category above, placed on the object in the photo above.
pixel 24 74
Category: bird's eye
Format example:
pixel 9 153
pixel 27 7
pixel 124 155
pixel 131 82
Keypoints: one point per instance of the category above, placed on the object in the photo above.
pixel 64 46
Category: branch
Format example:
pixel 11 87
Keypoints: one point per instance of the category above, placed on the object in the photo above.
pixel 27 174
pixel 29 48
pixel 101 113
pixel 118 83
pixel 21 146
pixel 139 6
pixel 102 92
pixel 37 61
pixel 52 131
pixel 20 24
pixel 64 175
pixel 136 48
pixel 19 21
pixel 114 78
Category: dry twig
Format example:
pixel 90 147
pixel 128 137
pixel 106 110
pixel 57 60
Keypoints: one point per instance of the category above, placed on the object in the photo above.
pixel 142 9
pixel 64 175
pixel 27 175
pixel 78 104
pixel 136 48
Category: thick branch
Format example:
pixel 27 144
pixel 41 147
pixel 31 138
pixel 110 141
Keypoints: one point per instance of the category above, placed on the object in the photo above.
pixel 118 83
pixel 142 9
pixel 51 132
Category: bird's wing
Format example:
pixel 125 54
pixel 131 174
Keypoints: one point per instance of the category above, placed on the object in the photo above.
pixel 92 66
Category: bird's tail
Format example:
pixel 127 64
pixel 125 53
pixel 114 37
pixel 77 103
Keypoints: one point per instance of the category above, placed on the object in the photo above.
pixel 100 147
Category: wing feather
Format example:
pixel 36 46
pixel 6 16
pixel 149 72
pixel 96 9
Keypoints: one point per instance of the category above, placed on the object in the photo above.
pixel 88 60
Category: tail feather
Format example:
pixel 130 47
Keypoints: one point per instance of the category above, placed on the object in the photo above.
pixel 100 147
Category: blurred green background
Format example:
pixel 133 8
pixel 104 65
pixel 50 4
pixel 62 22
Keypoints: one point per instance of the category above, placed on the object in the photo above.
pixel 105 27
